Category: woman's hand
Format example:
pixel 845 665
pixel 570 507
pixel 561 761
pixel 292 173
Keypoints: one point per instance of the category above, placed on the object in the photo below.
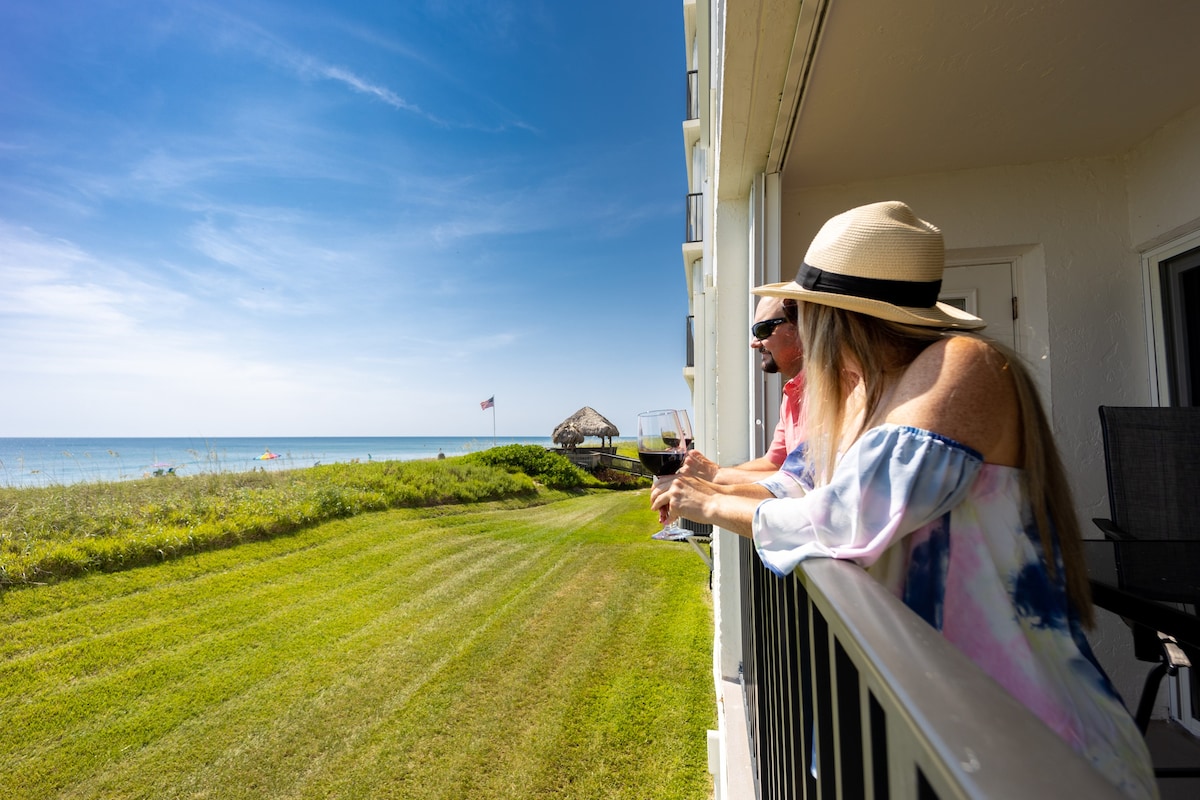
pixel 679 495
pixel 730 507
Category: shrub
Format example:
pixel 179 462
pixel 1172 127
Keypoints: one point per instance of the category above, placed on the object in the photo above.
pixel 615 479
pixel 546 467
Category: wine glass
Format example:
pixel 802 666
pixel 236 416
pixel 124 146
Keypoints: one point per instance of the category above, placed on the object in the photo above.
pixel 685 425
pixel 661 450
pixel 689 441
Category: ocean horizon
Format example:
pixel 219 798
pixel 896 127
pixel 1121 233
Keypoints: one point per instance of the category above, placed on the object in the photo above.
pixel 35 461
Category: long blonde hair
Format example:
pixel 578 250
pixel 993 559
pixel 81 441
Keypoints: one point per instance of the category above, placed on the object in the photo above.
pixel 838 343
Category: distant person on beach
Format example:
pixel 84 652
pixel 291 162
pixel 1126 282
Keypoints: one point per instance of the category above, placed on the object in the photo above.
pixel 775 336
pixel 930 463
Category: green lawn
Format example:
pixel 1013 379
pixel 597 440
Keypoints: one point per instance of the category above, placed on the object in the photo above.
pixel 466 651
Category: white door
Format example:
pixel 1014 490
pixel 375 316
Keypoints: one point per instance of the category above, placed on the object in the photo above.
pixel 985 290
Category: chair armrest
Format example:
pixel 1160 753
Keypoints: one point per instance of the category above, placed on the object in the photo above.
pixel 1111 531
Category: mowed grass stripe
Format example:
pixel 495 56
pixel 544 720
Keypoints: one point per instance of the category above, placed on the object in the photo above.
pixel 286 563
pixel 379 696
pixel 89 592
pixel 577 661
pixel 287 706
pixel 635 718
pixel 419 545
pixel 295 595
pixel 247 648
pixel 313 727
pixel 585 639
pixel 132 626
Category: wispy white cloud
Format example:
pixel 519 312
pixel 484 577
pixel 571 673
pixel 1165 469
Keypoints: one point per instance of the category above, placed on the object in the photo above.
pixel 76 327
pixel 239 32
pixel 361 85
pixel 308 64
pixel 261 250
pixel 50 288
pixel 165 171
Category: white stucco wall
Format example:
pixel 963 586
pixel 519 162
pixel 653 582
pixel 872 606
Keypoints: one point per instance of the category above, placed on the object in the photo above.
pixel 1164 183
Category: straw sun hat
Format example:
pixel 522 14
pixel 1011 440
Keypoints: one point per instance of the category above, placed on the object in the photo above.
pixel 880 260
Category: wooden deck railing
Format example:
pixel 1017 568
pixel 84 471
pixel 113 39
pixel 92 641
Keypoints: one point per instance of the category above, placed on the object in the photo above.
pixel 591 458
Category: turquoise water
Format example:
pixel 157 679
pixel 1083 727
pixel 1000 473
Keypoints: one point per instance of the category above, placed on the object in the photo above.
pixel 47 462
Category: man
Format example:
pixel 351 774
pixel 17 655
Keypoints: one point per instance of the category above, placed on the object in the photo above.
pixel 775 337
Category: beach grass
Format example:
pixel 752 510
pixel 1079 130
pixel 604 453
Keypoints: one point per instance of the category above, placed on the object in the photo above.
pixel 57 532
pixel 458 651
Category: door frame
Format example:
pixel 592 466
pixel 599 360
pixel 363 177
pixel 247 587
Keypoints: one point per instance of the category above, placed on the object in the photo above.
pixel 1156 331
pixel 1031 329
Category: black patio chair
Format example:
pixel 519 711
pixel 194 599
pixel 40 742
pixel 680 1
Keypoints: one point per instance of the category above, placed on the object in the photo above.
pixel 1152 458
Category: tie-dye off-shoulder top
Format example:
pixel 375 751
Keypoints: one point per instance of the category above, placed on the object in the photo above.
pixel 954 538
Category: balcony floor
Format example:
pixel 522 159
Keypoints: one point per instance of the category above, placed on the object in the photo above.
pixel 1172 746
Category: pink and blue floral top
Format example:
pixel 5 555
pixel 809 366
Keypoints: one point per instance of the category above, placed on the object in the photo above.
pixel 954 538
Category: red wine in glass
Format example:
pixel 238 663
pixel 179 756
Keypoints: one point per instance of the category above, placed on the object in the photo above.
pixel 665 462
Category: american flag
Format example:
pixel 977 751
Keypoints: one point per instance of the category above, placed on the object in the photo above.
pixel 489 403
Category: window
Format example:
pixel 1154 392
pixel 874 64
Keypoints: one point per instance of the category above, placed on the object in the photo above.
pixel 1179 278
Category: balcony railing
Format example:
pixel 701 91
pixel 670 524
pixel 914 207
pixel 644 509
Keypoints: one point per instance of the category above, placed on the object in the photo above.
pixel 693 99
pixel 850 694
pixel 695 217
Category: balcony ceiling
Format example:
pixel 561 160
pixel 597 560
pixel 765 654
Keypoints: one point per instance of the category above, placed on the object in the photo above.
pixel 907 88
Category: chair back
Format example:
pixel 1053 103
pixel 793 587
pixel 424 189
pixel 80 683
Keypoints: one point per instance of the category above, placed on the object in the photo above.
pixel 1152 457
pixel 1153 461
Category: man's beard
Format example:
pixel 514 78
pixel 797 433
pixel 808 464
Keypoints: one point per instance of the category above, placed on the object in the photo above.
pixel 768 363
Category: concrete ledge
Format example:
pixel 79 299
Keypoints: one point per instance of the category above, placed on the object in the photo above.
pixel 736 778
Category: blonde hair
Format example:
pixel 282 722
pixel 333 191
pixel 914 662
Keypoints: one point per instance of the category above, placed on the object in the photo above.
pixel 840 344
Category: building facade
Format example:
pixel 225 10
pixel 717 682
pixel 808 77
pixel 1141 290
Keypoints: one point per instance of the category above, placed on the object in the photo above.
pixel 1055 143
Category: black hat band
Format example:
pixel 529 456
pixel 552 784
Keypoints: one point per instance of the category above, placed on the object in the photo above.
pixel 913 294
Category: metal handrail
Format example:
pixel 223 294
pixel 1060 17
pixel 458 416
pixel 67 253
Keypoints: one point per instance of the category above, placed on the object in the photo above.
pixel 851 694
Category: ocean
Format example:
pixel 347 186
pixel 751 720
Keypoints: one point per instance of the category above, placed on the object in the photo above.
pixel 56 462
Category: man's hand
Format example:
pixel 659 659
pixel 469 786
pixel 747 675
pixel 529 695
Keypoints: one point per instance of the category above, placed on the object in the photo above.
pixel 698 465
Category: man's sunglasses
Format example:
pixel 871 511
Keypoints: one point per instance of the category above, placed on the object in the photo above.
pixel 761 330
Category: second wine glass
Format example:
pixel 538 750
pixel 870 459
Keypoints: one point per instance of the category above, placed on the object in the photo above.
pixel 685 425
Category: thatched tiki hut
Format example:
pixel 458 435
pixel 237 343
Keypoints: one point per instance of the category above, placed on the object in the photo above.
pixel 568 435
pixel 583 423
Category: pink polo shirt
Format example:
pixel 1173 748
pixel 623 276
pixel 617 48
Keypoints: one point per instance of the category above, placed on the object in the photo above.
pixel 790 430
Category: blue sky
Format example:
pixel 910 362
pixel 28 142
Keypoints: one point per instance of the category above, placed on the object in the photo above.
pixel 307 218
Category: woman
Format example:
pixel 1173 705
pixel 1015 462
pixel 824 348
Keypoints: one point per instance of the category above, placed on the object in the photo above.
pixel 929 461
